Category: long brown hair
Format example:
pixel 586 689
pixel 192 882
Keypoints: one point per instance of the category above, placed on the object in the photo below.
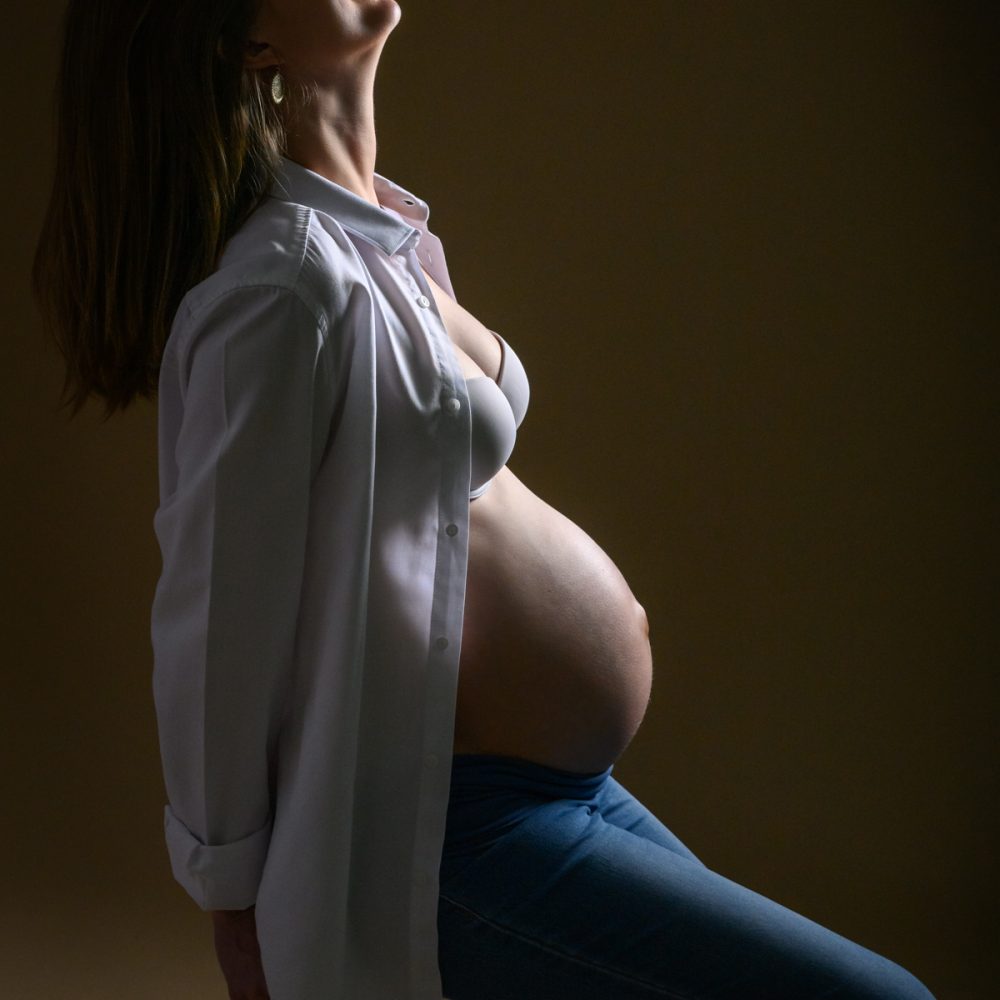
pixel 164 145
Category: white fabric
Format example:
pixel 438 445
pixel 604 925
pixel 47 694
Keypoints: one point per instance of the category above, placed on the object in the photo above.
pixel 314 449
pixel 493 432
pixel 498 408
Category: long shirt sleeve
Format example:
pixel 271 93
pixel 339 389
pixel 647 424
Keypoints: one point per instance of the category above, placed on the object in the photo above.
pixel 314 450
pixel 251 371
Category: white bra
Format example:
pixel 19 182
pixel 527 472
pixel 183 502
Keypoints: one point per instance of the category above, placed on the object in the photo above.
pixel 498 407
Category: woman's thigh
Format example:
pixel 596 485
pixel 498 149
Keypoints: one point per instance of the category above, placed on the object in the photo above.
pixel 619 807
pixel 600 901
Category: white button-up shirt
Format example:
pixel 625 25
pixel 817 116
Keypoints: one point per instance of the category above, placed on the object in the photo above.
pixel 314 450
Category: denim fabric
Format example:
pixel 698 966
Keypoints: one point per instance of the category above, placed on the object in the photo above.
pixel 561 886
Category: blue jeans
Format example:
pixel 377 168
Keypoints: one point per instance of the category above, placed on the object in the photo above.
pixel 562 886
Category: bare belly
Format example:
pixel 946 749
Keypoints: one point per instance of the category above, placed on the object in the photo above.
pixel 555 664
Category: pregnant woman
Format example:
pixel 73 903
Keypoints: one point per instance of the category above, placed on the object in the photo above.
pixel 391 681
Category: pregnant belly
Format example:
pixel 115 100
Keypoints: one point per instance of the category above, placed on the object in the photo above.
pixel 555 664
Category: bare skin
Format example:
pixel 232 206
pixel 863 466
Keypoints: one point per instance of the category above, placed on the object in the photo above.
pixel 334 46
pixel 555 663
pixel 238 953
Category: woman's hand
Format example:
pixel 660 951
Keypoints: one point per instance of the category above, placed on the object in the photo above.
pixel 238 953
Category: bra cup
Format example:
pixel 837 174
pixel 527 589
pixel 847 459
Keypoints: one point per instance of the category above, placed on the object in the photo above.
pixel 514 381
pixel 493 429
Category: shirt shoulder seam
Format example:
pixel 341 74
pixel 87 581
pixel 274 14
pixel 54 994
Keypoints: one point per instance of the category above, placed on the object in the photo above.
pixel 296 286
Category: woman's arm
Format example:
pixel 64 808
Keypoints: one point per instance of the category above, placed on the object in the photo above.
pixel 232 536
pixel 238 953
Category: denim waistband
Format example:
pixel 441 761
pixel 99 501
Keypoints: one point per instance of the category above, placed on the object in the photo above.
pixel 487 770
pixel 491 794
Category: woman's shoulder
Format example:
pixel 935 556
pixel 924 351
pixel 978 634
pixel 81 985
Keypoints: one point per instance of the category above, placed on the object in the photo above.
pixel 282 244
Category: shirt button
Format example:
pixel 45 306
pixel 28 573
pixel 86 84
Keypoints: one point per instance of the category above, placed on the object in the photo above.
pixel 454 404
pixel 441 642
pixel 452 529
pixel 431 759
pixel 424 301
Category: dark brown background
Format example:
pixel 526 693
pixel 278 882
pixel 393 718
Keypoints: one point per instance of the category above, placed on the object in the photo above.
pixel 748 253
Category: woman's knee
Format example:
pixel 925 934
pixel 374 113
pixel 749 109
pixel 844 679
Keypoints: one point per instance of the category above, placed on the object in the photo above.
pixel 895 983
pixel 911 988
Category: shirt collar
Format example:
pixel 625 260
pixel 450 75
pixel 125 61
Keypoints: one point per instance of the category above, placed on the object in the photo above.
pixel 379 225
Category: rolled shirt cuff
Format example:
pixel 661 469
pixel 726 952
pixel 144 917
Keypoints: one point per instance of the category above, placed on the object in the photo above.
pixel 219 877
